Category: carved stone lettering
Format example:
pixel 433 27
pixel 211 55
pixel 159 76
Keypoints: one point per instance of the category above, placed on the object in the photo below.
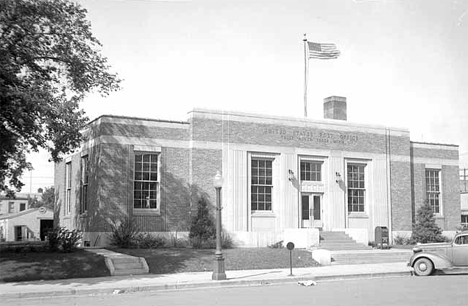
pixel 315 136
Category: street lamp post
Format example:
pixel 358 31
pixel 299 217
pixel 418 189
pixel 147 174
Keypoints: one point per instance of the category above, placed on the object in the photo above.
pixel 218 267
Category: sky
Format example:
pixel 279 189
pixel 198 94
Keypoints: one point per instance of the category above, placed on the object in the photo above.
pixel 403 63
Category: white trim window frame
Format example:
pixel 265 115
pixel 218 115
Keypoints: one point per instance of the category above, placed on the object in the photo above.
pixel 84 183
pixel 146 182
pixel 434 189
pixel 356 187
pixel 311 170
pixel 68 187
pixel 261 183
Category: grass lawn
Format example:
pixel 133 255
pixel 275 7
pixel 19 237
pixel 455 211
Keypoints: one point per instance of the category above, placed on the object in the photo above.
pixel 28 266
pixel 173 260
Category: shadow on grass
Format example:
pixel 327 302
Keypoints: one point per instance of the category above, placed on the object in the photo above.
pixel 173 260
pixel 88 268
pixel 32 266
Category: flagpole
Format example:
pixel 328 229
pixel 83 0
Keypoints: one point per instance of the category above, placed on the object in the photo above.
pixel 306 72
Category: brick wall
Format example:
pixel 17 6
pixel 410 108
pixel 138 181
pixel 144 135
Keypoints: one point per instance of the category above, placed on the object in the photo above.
pixel 445 158
pixel 87 221
pixel 205 163
pixel 138 130
pixel 113 174
pixel 61 216
pixel 314 137
pixel 451 197
pixel 400 189
pixel 175 189
pixel 435 153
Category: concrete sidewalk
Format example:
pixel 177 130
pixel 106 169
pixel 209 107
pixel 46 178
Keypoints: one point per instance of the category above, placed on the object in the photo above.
pixel 154 282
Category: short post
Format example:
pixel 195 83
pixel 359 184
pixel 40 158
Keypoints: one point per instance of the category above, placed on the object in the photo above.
pixel 290 247
pixel 218 267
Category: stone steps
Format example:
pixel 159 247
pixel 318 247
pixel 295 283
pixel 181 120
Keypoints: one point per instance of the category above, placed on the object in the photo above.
pixel 334 241
pixel 122 264
pixel 337 247
pixel 128 271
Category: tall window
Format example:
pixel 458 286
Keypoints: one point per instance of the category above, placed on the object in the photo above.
pixel 261 183
pixel 146 183
pixel 68 181
pixel 84 184
pixel 356 187
pixel 433 189
pixel 11 207
pixel 311 171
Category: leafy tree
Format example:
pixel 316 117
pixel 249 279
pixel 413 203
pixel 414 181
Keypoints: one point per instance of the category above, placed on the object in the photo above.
pixel 425 228
pixel 48 199
pixel 202 228
pixel 49 61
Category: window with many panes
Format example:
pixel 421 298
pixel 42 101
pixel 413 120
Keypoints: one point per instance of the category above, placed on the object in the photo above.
pixel 356 187
pixel 433 189
pixel 261 184
pixel 464 220
pixel 146 182
pixel 68 181
pixel 311 171
pixel 84 184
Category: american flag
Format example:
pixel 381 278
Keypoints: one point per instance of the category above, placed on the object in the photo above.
pixel 322 51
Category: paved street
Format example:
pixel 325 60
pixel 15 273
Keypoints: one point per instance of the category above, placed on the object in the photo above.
pixel 435 290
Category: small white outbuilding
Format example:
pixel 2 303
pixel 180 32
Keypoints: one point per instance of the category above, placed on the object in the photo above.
pixel 27 225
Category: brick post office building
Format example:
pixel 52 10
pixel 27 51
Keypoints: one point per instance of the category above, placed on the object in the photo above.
pixel 281 175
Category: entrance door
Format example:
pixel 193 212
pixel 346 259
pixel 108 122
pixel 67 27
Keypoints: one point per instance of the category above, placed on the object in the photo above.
pixel 18 233
pixel 46 226
pixel 311 210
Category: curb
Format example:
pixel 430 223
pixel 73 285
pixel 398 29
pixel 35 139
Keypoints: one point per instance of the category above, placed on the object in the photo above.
pixel 204 284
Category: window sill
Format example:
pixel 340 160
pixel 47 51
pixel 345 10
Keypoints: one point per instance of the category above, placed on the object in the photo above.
pixel 146 212
pixel 358 215
pixel 438 216
pixel 263 214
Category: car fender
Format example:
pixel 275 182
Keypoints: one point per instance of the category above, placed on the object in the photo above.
pixel 440 262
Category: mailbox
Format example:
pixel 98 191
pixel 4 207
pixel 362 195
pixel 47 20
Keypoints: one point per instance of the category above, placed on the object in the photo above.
pixel 381 237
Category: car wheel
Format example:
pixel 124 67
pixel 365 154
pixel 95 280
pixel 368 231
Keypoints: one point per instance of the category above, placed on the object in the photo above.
pixel 423 267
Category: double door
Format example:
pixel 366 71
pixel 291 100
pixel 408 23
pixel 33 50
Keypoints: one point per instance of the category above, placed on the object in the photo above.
pixel 311 210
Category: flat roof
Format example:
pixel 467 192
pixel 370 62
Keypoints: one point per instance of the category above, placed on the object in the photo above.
pixel 136 118
pixel 434 144
pixel 295 120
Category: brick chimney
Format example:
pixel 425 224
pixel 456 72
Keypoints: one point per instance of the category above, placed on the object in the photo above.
pixel 334 107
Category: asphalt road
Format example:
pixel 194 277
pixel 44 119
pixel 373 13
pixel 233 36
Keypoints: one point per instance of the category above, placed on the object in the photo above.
pixel 435 290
